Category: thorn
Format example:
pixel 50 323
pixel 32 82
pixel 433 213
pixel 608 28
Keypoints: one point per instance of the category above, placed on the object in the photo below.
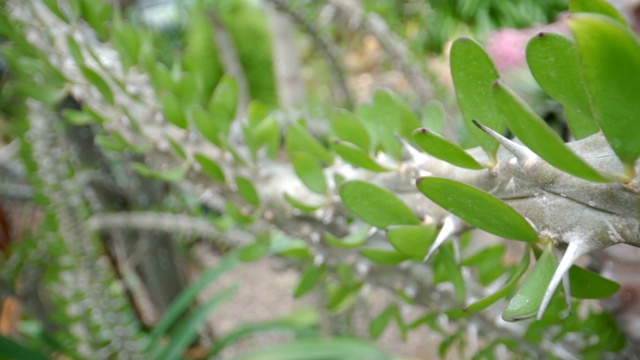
pixel 573 252
pixel 522 153
pixel 449 226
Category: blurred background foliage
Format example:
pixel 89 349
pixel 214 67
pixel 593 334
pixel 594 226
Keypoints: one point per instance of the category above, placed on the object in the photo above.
pixel 206 55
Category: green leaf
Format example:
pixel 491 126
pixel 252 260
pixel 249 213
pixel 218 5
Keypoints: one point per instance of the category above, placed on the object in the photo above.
pixel 74 49
pixel 179 150
pixel 488 263
pixel 386 116
pixel 126 40
pixel 173 111
pixel 14 350
pixel 97 14
pixel 205 124
pixel 299 139
pixel 355 156
pixel 316 349
pixel 482 304
pixel 210 167
pixel 309 279
pixel 589 285
pixel 78 118
pixel 351 241
pixel 188 296
pixel 384 257
pixel 539 137
pixel 478 208
pixel 342 297
pixel 553 61
pixel 380 322
pixel 55 9
pixel 267 132
pixel 412 240
pixel 201 53
pixel 375 205
pixel 347 127
pixel 610 57
pixel 473 73
pixel 96 80
pixel 46 94
pixel 224 102
pixel 170 176
pixel 187 330
pixel 247 191
pixel 310 172
pixel 256 113
pixel 253 252
pixel 446 261
pixel 597 7
pixel 306 208
pixel 528 298
pixel 443 149
pixel 434 116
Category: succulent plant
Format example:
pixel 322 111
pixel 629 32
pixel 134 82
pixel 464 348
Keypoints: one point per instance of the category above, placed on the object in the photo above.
pixel 378 191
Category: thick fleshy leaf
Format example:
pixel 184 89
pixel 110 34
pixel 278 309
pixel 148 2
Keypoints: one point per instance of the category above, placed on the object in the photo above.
pixel 443 149
pixel 447 269
pixel 384 257
pixel 528 298
pixel 355 156
pixel 412 240
pixel 375 205
pixel 589 285
pixel 478 208
pixel 299 139
pixel 602 7
pixel 308 280
pixel 224 102
pixel 171 175
pixel 173 110
pixel 78 118
pixel 310 171
pixel 434 116
pixel 473 73
pixel 487 263
pixel 380 322
pixel 205 124
pixel 610 57
pixel 267 132
pixel 507 288
pixel 539 137
pixel 384 117
pixel 351 241
pixel 247 191
pixel 210 167
pixel 553 61
pixel 74 50
pixel 300 205
pixel 96 80
pixel 177 148
pixel 347 127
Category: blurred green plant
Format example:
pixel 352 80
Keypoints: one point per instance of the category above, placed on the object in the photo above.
pixel 347 208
